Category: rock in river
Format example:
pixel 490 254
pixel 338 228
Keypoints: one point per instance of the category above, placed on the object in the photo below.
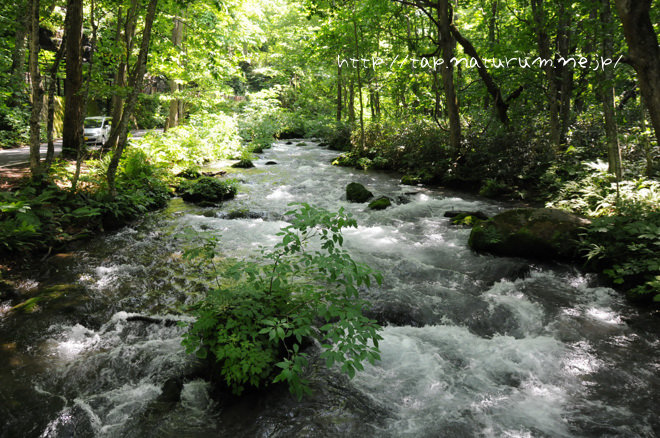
pixel 541 233
pixel 356 192
pixel 380 204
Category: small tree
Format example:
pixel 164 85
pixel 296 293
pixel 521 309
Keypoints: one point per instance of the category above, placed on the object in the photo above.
pixel 256 321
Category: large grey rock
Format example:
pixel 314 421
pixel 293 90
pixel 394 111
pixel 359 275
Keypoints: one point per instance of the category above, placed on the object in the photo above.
pixel 541 233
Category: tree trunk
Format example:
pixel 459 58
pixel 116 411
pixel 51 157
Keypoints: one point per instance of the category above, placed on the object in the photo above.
pixel 173 116
pixel 339 93
pixel 357 56
pixel 543 42
pixel 447 44
pixel 119 79
pixel 136 85
pixel 50 154
pixel 37 93
pixel 73 100
pixel 120 76
pixel 607 93
pixel 18 55
pixel 79 156
pixel 648 151
pixel 644 53
pixel 500 105
pixel 351 103
pixel 566 71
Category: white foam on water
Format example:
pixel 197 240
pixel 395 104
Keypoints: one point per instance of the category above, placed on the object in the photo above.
pixel 439 375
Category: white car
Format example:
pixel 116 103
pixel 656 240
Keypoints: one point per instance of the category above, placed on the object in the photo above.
pixel 96 130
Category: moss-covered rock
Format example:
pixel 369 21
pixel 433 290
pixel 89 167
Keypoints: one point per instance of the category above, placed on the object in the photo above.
pixel 346 160
pixel 356 192
pixel 540 233
pixel 243 164
pixel 465 219
pixel 189 173
pixel 380 204
pixel 410 180
pixel 207 190
pixel 463 213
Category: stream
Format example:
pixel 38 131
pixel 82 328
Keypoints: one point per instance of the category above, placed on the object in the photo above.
pixel 474 345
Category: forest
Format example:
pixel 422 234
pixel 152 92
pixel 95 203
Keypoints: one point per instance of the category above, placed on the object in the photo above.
pixel 329 218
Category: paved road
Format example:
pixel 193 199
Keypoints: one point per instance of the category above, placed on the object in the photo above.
pixel 14 157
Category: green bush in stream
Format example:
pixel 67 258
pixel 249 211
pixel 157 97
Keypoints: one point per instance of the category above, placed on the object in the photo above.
pixel 207 190
pixel 257 321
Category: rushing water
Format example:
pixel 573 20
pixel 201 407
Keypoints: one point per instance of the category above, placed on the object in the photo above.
pixel 474 345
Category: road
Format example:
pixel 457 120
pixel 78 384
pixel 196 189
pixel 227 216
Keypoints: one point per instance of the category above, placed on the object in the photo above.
pixel 15 157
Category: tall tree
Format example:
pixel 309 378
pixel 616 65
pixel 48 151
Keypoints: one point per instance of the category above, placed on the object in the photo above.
pixel 135 84
pixel 607 94
pixel 122 70
pixel 50 116
pixel 543 43
pixel 37 93
pixel 643 52
pixel 447 44
pixel 18 55
pixel 90 72
pixel 175 103
pixel 73 99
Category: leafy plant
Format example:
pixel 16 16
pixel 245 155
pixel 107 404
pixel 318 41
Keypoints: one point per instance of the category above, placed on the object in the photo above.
pixel 258 319
pixel 627 249
pixel 207 189
pixel 205 138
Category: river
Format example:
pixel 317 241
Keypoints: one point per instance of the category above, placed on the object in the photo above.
pixel 474 345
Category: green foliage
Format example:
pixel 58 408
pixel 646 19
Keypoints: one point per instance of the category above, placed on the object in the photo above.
pixel 207 190
pixel 150 112
pixel 592 191
pixel 464 219
pixel 256 323
pixel 492 188
pixel 14 123
pixel 627 249
pixel 35 217
pixel 261 118
pixel 205 138
pixel 339 139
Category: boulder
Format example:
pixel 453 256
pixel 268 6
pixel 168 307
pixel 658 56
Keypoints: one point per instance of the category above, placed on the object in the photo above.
pixel 540 233
pixel 410 180
pixel 464 213
pixel 206 190
pixel 271 163
pixel 243 164
pixel 356 192
pixel 380 204
pixel 189 174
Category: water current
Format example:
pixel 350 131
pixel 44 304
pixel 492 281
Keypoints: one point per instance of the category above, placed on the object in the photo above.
pixel 474 345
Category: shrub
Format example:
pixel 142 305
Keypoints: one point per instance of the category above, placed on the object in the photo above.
pixel 207 190
pixel 261 118
pixel 627 249
pixel 255 325
pixel 205 138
